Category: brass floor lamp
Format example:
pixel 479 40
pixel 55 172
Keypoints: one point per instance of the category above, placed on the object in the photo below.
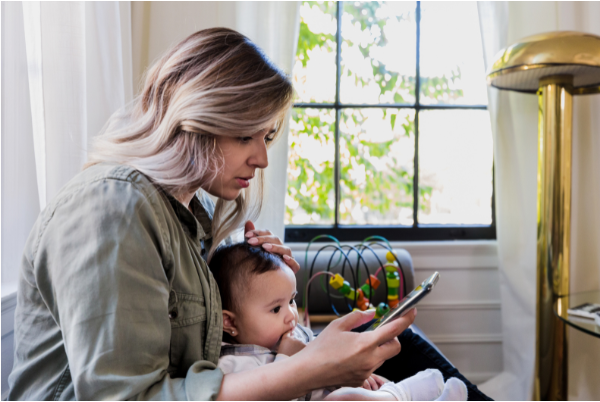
pixel 555 66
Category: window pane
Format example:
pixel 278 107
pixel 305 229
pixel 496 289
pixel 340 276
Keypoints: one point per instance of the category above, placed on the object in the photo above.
pixel 310 197
pixel 452 70
pixel 455 167
pixel 376 158
pixel 314 68
pixel 378 52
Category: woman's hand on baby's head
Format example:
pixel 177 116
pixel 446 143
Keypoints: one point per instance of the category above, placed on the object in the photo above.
pixel 290 345
pixel 271 243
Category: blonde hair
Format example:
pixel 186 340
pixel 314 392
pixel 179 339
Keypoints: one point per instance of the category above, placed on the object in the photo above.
pixel 216 82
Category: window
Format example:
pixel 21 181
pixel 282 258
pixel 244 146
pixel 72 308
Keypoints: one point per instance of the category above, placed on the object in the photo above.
pixel 390 133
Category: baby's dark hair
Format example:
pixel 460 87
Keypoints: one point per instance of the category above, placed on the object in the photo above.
pixel 233 266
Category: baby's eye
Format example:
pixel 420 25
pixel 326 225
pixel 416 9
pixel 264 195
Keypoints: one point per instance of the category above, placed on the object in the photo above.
pixel 276 309
pixel 292 302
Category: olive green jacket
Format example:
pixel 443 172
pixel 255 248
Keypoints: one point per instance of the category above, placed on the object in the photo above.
pixel 115 300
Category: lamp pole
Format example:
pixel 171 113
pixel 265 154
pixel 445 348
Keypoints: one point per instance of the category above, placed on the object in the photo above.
pixel 555 66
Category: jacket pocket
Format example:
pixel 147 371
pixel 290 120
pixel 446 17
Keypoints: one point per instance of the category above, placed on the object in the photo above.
pixel 187 314
pixel 186 309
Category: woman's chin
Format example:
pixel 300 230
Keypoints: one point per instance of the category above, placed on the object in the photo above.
pixel 227 195
pixel 231 195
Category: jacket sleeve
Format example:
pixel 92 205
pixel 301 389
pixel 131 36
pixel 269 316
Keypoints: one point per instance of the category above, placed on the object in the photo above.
pixel 107 252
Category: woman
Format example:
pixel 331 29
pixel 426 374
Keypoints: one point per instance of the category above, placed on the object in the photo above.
pixel 115 300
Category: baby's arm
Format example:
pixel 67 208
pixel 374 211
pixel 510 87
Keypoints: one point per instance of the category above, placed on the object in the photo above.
pixel 235 364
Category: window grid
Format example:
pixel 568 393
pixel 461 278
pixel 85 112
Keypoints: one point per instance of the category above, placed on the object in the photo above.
pixel 358 232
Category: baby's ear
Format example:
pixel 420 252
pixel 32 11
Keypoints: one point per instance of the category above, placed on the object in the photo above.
pixel 229 323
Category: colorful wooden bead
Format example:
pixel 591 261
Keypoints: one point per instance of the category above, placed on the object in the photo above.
pixel 337 281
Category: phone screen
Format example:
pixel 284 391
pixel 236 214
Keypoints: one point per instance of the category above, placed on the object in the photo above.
pixel 406 303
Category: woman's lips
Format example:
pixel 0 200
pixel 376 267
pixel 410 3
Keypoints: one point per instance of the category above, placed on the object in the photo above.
pixel 243 182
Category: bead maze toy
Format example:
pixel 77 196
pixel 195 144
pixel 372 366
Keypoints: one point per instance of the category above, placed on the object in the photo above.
pixel 357 297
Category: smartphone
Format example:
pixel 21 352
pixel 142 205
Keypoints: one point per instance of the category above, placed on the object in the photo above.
pixel 407 303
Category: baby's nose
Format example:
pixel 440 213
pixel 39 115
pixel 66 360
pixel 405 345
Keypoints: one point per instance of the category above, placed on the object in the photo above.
pixel 290 318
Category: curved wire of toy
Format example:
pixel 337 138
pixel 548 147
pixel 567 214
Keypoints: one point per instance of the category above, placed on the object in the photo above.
pixel 355 278
pixel 381 238
pixel 399 268
pixel 338 248
pixel 364 246
pixel 354 282
pixel 360 257
pixel 330 267
pixel 306 257
pixel 306 319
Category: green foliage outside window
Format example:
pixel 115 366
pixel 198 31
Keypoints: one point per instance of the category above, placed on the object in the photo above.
pixel 376 183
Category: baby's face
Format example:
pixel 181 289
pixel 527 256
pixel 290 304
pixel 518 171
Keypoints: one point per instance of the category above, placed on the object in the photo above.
pixel 268 310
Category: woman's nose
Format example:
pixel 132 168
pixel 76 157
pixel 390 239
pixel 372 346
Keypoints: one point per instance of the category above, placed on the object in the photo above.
pixel 259 159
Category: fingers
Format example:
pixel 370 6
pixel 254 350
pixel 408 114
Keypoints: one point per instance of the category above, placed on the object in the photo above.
pixel 379 380
pixel 353 320
pixel 391 331
pixel 263 235
pixel 388 350
pixel 272 244
pixel 258 240
pixel 366 384
pixel 286 253
pixel 372 383
pixel 249 226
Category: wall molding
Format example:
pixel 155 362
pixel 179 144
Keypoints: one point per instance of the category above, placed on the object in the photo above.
pixel 426 248
pixel 470 305
pixel 9 302
pixel 479 378
pixel 466 338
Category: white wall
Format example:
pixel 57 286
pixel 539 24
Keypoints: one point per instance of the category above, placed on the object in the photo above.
pixel 462 316
pixel 158 25
pixel 8 320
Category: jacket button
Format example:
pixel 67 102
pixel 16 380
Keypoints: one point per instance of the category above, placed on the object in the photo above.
pixel 173 314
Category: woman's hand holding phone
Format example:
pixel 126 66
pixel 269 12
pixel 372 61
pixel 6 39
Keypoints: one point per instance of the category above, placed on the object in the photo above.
pixel 345 358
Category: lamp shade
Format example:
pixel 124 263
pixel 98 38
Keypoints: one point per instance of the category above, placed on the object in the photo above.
pixel 520 67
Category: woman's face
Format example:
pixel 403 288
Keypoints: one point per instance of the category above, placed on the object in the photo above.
pixel 242 156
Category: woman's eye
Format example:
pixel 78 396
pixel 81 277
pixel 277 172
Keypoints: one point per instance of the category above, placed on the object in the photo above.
pixel 245 140
pixel 269 139
pixel 276 309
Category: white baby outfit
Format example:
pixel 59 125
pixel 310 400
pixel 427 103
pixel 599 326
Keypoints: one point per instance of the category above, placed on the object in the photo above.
pixel 427 385
pixel 235 358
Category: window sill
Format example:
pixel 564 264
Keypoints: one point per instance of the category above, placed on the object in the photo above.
pixel 9 292
pixel 420 247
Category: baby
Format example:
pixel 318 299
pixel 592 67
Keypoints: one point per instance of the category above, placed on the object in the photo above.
pixel 260 325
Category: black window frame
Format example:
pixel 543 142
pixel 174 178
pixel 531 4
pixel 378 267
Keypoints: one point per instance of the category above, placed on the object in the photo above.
pixel 416 232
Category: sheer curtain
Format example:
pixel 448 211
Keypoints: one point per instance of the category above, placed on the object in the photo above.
pixel 66 67
pixel 274 26
pixel 514 124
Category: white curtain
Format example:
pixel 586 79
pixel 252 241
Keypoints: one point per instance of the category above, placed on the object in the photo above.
pixel 279 42
pixel 274 26
pixel 79 64
pixel 514 124
pixel 66 67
